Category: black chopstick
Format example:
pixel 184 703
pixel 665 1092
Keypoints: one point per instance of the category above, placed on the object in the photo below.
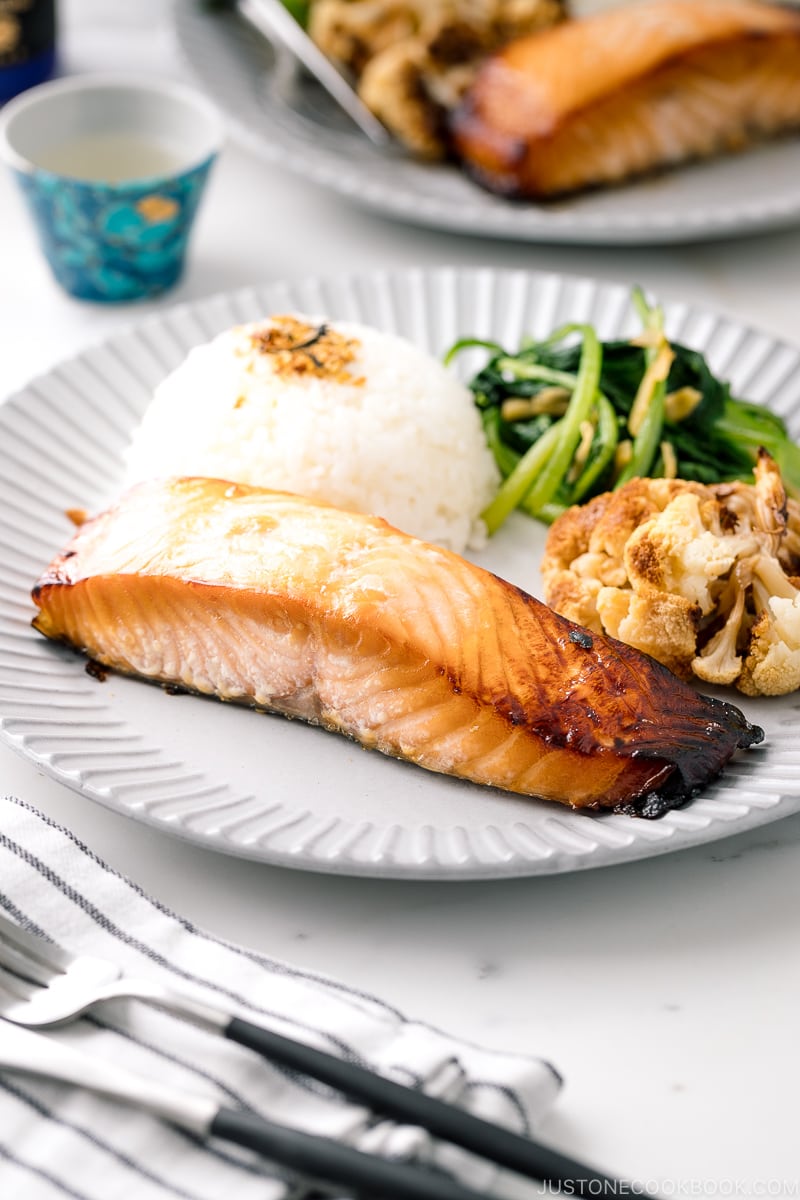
pixel 413 1107
pixel 323 1161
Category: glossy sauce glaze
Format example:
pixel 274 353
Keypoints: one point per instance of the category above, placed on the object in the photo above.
pixel 297 607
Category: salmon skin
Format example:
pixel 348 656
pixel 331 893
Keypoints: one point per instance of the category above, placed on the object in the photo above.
pixel 627 91
pixel 296 607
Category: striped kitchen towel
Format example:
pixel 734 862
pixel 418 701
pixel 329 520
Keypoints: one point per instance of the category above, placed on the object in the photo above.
pixel 58 1142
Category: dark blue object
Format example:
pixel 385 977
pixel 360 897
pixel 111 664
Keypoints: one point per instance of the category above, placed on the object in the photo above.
pixel 28 49
pixel 115 242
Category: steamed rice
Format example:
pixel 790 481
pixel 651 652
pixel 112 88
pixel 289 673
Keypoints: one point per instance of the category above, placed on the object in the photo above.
pixel 395 434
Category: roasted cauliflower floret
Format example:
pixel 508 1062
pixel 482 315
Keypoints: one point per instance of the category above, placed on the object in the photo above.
pixel 657 623
pixel 703 578
pixel 394 86
pixel 719 661
pixel 351 32
pixel 772 666
pixel 412 60
pixel 676 552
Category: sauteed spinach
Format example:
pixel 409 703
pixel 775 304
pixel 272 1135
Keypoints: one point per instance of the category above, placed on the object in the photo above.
pixel 569 417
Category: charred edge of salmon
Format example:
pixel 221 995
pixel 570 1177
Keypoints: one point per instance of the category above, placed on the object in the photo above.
pixel 55 575
pixel 500 156
pixel 695 735
pixel 690 773
pixel 678 790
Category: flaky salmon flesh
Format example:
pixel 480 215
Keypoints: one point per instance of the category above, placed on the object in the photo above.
pixel 296 607
pixel 627 91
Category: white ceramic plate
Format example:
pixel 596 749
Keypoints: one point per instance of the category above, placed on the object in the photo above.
pixel 279 791
pixel 294 124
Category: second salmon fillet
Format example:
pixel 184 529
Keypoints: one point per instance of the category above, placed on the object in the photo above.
pixel 629 90
pixel 293 606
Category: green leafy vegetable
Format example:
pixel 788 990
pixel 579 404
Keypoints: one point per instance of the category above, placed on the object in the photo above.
pixel 298 8
pixel 569 417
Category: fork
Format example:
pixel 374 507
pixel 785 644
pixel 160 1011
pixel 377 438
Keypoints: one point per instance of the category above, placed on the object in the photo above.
pixel 43 985
pixel 318 1160
pixel 272 20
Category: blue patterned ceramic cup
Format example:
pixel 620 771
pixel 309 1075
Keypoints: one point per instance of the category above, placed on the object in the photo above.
pixel 113 169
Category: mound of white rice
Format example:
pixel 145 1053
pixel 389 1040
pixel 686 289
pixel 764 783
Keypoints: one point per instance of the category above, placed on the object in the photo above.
pixel 395 435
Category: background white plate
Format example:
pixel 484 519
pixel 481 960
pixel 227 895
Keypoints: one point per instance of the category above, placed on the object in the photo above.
pixel 279 791
pixel 294 124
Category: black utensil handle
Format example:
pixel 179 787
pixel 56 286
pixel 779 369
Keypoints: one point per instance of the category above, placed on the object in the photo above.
pixel 413 1107
pixel 324 1160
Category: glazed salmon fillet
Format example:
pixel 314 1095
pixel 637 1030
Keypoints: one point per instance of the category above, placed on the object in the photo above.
pixel 293 606
pixel 629 90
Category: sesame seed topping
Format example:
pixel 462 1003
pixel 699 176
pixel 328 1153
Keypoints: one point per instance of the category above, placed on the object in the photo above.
pixel 297 348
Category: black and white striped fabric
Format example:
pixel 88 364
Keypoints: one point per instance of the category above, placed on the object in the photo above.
pixel 58 1142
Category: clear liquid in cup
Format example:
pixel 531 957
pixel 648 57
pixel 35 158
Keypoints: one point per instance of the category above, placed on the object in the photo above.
pixel 109 158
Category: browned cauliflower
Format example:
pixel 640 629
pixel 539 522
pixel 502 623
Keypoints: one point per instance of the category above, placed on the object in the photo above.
pixel 412 60
pixel 703 578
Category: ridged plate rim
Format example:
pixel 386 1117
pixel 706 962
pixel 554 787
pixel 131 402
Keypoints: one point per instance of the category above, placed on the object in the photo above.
pixel 61 438
pixel 697 203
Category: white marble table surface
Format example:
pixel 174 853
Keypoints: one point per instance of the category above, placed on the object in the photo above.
pixel 665 990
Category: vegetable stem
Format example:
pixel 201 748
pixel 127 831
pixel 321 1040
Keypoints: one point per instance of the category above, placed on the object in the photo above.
pixel 646 442
pixel 535 371
pixel 504 456
pixel 569 427
pixel 469 343
pixel 608 436
pixel 518 483
pixel 646 418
